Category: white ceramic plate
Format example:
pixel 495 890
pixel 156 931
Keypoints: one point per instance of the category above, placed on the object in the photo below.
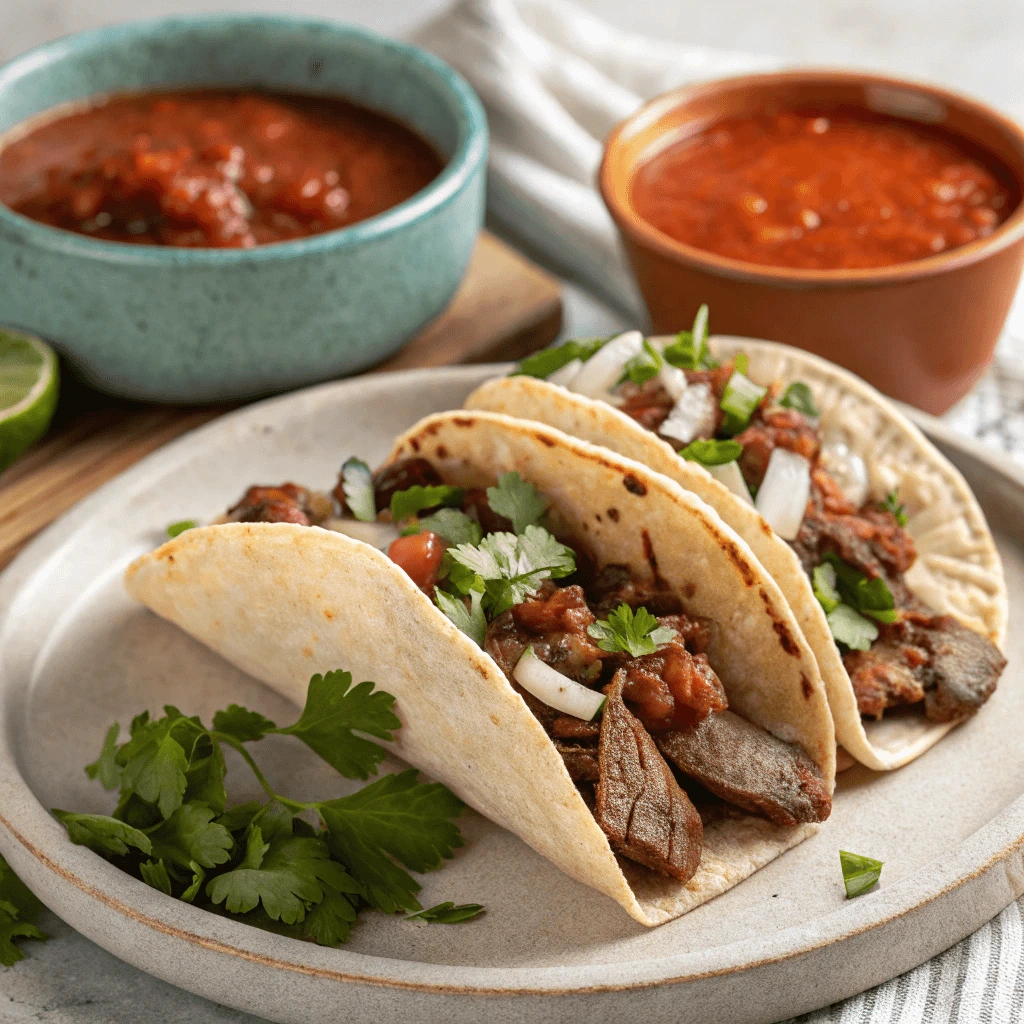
pixel 76 654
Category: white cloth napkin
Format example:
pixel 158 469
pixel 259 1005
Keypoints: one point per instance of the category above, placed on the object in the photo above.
pixel 555 80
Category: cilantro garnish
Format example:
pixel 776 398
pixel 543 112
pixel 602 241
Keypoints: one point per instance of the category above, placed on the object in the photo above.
pixel 266 859
pixel 859 873
pixel 448 913
pixel 407 503
pixel 690 349
pixel 450 524
pixel 644 366
pixel 798 396
pixel 517 500
pixel 178 528
pixel 544 363
pixel 357 483
pixel 892 504
pixel 711 452
pixel 507 569
pixel 636 633
pixel 849 627
pixel 824 580
pixel 869 596
pixel 19 910
pixel 471 620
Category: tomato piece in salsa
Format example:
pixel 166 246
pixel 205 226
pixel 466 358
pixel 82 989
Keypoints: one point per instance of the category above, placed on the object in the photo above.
pixel 213 168
pixel 821 190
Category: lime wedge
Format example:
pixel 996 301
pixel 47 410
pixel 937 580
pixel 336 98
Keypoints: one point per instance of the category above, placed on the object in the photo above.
pixel 29 382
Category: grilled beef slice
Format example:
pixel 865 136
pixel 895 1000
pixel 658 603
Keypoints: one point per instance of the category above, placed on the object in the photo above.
pixel 750 768
pixel 639 804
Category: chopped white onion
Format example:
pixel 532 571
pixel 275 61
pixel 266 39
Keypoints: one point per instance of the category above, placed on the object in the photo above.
pixel 601 372
pixel 673 380
pixel 564 375
pixel 692 415
pixel 782 497
pixel 846 467
pixel 730 475
pixel 557 691
pixel 378 535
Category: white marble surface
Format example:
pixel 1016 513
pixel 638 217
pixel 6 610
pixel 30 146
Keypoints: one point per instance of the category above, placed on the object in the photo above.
pixel 974 45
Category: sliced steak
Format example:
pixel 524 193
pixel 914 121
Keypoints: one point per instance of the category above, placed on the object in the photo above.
pixel 886 675
pixel 580 761
pixel 639 804
pixel 749 767
pixel 615 584
pixel 963 671
pixel 288 503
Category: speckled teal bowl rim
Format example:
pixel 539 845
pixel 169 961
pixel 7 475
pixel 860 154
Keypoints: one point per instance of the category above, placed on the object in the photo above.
pixel 470 151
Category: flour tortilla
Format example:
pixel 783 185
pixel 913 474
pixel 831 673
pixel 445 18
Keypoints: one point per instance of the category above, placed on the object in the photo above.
pixel 958 570
pixel 283 601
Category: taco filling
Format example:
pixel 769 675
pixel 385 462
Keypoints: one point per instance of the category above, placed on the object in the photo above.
pixel 613 667
pixel 766 445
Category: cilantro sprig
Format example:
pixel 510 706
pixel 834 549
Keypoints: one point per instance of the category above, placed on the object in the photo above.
pixel 303 867
pixel 517 500
pixel 636 633
pixel 859 873
pixel 893 504
pixel 798 396
pixel 644 366
pixel 19 910
pixel 850 601
pixel 178 528
pixel 405 504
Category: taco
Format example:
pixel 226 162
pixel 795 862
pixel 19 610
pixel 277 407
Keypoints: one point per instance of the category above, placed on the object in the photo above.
pixel 872 535
pixel 579 648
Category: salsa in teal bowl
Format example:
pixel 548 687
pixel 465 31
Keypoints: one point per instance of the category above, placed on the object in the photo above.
pixel 190 323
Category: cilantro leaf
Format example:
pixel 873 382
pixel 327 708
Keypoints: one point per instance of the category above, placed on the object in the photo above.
pixel 330 921
pixel 544 363
pixel 105 767
pixel 644 366
pixel 246 726
pixel 191 835
pixel 417 498
pixel 240 816
pixel 892 504
pixel 154 873
pixel 331 713
pixel 690 349
pixel 398 817
pixel 824 580
pixel 859 873
pixel 798 396
pixel 282 875
pixel 510 568
pixel 451 525
pixel 18 910
pixel 104 834
pixel 357 485
pixel 711 452
pixel 517 500
pixel 198 877
pixel 154 767
pixel 636 633
pixel 204 779
pixel 448 913
pixel 868 596
pixel 849 627
pixel 471 620
pixel 178 528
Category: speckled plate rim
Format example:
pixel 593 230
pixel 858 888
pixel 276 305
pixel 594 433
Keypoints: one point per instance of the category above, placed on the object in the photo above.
pixel 969 885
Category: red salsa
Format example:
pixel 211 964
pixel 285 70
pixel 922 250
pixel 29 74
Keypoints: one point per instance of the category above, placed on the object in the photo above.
pixel 821 190
pixel 213 168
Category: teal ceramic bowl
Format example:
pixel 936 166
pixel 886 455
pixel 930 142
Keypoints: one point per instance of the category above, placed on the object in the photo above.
pixel 199 325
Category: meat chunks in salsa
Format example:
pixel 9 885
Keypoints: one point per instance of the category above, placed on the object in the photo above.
pixel 922 658
pixel 288 503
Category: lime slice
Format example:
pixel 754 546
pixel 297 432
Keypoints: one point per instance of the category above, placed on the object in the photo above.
pixel 29 382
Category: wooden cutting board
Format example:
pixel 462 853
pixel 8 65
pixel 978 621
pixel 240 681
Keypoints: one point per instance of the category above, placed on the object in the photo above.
pixel 505 307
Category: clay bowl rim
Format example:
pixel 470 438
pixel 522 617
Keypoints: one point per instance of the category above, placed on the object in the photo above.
pixel 639 231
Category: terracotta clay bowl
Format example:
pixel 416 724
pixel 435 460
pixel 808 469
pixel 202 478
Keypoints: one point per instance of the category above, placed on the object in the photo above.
pixel 922 331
